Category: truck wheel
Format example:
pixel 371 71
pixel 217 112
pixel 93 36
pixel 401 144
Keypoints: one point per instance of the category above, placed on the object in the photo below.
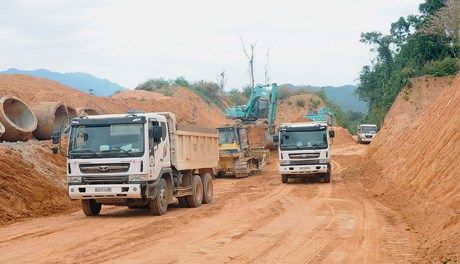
pixel 183 202
pixel 90 207
pixel 327 177
pixel 284 178
pixel 208 188
pixel 159 204
pixel 196 198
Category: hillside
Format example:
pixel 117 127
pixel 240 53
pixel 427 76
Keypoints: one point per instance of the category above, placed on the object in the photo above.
pixel 77 80
pixel 414 167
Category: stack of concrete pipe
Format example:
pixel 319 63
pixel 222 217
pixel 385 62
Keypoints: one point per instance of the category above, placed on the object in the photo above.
pixel 50 116
pixel 17 118
pixel 71 111
pixel 19 122
pixel 85 111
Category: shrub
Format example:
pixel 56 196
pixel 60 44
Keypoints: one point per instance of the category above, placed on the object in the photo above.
pixel 447 66
pixel 300 102
pixel 314 103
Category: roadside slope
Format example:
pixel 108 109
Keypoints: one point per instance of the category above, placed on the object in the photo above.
pixel 416 164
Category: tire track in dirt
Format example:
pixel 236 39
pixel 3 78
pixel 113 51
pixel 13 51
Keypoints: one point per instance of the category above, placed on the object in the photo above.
pixel 252 220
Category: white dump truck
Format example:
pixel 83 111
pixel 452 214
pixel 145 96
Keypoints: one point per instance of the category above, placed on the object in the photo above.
pixel 139 160
pixel 366 133
pixel 304 150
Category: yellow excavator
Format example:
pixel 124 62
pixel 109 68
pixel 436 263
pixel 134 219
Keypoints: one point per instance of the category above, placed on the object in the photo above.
pixel 236 158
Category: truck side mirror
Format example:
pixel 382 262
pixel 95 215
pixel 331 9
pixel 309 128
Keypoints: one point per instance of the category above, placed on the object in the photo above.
pixel 276 138
pixel 55 137
pixel 157 133
pixel 331 133
pixel 55 150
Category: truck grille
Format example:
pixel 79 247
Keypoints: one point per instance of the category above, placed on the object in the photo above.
pixel 367 136
pixel 304 156
pixel 104 168
pixel 304 162
pixel 105 179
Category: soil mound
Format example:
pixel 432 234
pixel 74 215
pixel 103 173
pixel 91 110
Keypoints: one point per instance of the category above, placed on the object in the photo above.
pixel 418 153
pixel 32 181
pixel 343 137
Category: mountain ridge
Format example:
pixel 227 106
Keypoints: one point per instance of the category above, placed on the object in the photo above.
pixel 77 80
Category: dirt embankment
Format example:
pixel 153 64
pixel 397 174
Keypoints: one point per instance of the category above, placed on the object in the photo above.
pixel 415 164
pixel 32 180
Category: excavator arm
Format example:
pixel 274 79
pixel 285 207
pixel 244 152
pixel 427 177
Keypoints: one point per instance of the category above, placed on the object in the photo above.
pixel 322 116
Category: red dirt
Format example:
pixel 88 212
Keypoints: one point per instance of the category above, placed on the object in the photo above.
pixel 395 200
pixel 415 164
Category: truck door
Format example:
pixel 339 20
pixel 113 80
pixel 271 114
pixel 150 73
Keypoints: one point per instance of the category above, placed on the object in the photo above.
pixel 158 148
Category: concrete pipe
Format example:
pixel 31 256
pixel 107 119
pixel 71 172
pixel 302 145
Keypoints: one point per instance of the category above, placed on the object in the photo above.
pixel 2 129
pixel 18 119
pixel 84 111
pixel 49 116
pixel 71 111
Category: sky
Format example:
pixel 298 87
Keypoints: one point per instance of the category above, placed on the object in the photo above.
pixel 128 42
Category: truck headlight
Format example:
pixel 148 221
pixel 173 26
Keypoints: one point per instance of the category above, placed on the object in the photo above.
pixel 323 161
pixel 74 179
pixel 138 177
pixel 284 162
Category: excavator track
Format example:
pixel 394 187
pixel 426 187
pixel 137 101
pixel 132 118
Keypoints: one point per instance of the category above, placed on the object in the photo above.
pixel 245 167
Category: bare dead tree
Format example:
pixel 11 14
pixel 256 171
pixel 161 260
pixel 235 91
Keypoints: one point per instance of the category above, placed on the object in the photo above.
pixel 221 80
pixel 250 59
pixel 267 68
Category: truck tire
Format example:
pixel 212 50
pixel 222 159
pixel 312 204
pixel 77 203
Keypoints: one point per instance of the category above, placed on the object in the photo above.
pixel 327 177
pixel 196 198
pixel 159 204
pixel 284 178
pixel 90 207
pixel 208 188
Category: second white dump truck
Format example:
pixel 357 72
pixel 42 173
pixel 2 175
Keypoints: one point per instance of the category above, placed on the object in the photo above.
pixel 304 150
pixel 139 160
pixel 366 133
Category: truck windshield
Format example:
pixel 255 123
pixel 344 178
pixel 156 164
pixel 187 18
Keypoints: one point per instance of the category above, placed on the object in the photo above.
pixel 369 129
pixel 107 141
pixel 291 140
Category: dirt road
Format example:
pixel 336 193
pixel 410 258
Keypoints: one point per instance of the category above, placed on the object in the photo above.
pixel 252 220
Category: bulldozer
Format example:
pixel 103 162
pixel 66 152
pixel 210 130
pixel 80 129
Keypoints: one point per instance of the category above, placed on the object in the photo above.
pixel 236 157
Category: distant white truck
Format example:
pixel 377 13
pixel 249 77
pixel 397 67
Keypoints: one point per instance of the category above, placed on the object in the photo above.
pixel 366 133
pixel 139 160
pixel 304 150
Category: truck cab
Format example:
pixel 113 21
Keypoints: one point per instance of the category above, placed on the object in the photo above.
pixel 366 133
pixel 304 150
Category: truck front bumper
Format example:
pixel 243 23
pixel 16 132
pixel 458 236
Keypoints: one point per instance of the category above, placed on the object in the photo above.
pixel 304 169
pixel 105 191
